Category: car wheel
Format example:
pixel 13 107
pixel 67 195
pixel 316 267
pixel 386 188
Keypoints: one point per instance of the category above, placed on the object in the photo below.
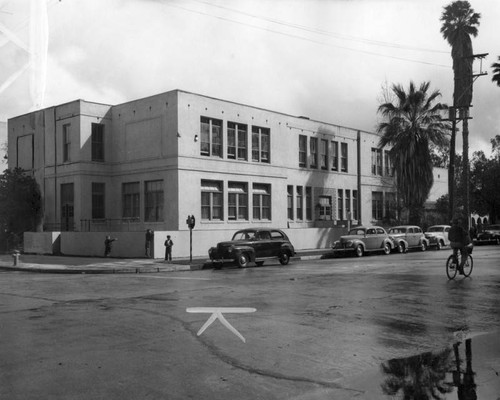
pixel 284 258
pixel 387 248
pixel 401 248
pixel 359 250
pixel 423 246
pixel 242 260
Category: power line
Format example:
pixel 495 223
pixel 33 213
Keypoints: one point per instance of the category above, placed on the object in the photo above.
pixel 373 53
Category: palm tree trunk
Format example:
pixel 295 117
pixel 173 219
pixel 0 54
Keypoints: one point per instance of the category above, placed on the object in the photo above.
pixel 465 155
pixel 451 171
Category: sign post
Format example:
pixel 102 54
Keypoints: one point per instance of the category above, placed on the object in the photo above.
pixel 190 221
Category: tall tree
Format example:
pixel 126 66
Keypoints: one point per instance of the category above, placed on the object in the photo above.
pixel 410 124
pixel 460 22
pixel 496 72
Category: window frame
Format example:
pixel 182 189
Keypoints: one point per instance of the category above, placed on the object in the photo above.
pixel 208 135
pixel 323 154
pixel 153 200
pixel 344 154
pixel 238 134
pixel 97 142
pixel 261 202
pixel 313 153
pixel 302 151
pixel 213 191
pixel 132 197
pixel 98 200
pixel 335 155
pixel 66 142
pixel 237 199
pixel 261 144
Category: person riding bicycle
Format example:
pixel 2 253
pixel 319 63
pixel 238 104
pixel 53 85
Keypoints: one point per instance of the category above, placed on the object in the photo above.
pixel 459 239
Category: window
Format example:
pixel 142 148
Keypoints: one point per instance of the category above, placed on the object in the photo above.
pixel 323 154
pixel 97 142
pixel 302 151
pixel 376 161
pixel 388 164
pixel 348 204
pixel 335 156
pixel 290 202
pixel 313 145
pixel 211 137
pixel 237 201
pixel 377 205
pixel 309 203
pixel 211 200
pixel 261 201
pixel 236 141
pixel 130 200
pixel 325 207
pixel 343 157
pixel 66 142
pixel 299 196
pixel 261 146
pixel 153 199
pixel 340 204
pixel 355 205
pixel 390 205
pixel 97 200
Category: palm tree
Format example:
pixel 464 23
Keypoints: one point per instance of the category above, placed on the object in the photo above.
pixel 411 123
pixel 496 72
pixel 459 23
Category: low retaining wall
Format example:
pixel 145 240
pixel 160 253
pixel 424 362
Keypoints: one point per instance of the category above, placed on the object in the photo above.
pixel 132 244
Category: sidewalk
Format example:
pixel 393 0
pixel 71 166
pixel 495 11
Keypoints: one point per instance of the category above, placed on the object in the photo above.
pixel 99 265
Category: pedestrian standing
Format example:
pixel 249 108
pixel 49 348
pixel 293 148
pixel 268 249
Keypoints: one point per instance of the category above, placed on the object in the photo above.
pixel 149 242
pixel 107 245
pixel 168 249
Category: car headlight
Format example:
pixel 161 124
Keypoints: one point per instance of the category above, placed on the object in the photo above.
pixel 230 249
pixel 348 243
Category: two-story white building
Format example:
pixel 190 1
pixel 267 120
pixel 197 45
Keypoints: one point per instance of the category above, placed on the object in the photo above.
pixel 150 163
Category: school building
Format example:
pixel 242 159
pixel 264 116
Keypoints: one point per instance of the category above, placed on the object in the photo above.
pixel 150 163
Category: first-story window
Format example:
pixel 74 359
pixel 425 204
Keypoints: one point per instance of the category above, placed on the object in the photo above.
pixel 131 200
pixel 355 214
pixel 211 200
pixel 300 196
pixel 390 205
pixel 289 201
pixel 237 201
pixel 377 208
pixel 97 200
pixel 325 207
pixel 340 193
pixel 348 204
pixel 309 203
pixel 261 196
pixel 153 201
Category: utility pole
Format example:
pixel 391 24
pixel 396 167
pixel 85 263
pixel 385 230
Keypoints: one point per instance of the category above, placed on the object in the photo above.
pixel 461 113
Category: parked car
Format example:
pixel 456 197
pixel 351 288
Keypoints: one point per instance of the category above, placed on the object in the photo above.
pixel 438 236
pixel 490 234
pixel 254 245
pixel 362 240
pixel 408 237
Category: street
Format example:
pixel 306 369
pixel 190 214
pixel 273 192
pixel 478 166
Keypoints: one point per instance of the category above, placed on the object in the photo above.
pixel 315 329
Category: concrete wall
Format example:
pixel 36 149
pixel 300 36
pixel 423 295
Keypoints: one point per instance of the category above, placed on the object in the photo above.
pixel 131 244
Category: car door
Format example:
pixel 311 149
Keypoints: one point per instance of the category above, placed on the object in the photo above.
pixel 262 244
pixel 381 236
pixel 371 239
pixel 277 241
pixel 410 237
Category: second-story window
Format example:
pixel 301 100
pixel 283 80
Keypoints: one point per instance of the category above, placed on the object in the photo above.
pixel 343 157
pixel 97 140
pixel 376 161
pixel 335 155
pixel 388 164
pixel 302 151
pixel 66 142
pixel 323 154
pixel 261 144
pixel 211 137
pixel 236 141
pixel 313 145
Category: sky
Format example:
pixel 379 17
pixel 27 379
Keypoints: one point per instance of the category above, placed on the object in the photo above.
pixel 329 60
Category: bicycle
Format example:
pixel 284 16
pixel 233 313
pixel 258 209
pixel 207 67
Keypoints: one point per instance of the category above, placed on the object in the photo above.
pixel 454 261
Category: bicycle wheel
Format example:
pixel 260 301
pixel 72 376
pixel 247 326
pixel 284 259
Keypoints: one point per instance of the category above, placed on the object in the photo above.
pixel 469 263
pixel 451 267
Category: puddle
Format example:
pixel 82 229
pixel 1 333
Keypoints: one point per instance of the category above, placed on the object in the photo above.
pixel 467 370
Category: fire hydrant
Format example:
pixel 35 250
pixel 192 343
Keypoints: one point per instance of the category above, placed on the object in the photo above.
pixel 15 256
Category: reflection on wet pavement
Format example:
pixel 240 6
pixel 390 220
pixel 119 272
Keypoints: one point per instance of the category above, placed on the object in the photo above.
pixel 447 374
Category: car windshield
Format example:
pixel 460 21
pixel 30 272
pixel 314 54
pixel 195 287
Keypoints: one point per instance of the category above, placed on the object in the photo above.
pixel 244 235
pixel 397 230
pixel 357 231
pixel 435 229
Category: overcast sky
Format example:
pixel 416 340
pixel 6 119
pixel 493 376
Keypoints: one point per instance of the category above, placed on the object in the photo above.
pixel 325 59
